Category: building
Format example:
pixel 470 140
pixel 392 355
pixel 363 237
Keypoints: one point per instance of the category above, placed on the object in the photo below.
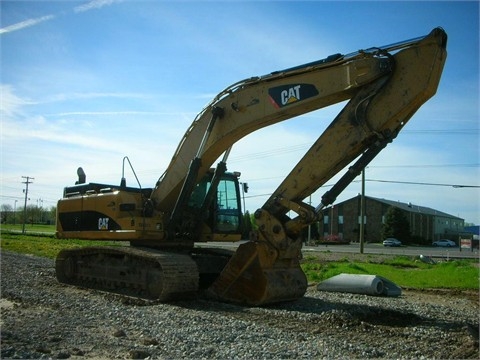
pixel 426 224
pixel 474 230
pixel 472 233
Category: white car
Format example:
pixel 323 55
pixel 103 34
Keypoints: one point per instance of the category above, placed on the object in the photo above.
pixel 392 242
pixel 444 243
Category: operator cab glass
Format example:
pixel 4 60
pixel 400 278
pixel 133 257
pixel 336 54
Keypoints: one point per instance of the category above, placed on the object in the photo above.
pixel 225 213
pixel 228 212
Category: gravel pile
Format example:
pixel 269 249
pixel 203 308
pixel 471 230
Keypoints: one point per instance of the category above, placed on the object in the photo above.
pixel 41 318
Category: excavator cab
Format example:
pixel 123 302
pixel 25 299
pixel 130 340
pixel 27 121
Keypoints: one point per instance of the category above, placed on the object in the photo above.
pixel 110 212
pixel 222 220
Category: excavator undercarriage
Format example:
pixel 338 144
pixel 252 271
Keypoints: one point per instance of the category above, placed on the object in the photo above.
pixel 250 277
pixel 192 204
pixel 145 273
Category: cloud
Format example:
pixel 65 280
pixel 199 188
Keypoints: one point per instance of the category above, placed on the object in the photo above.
pixel 26 23
pixel 111 113
pixel 17 123
pixel 11 104
pixel 94 95
pixel 38 128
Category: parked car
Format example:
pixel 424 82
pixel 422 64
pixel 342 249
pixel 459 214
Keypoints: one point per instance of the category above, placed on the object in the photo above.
pixel 444 243
pixel 333 239
pixel 392 242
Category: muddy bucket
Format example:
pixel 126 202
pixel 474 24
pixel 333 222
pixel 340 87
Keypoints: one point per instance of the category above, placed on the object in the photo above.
pixel 255 276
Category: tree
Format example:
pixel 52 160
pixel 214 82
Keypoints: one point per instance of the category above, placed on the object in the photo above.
pixel 247 225
pixel 51 215
pixel 6 210
pixel 396 225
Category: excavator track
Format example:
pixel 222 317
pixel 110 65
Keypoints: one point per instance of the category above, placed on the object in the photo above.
pixel 148 274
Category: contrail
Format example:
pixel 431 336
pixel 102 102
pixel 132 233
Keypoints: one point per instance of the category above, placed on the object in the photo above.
pixel 91 5
pixel 26 23
pixel 94 4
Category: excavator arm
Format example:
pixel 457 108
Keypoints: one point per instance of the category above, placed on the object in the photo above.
pixel 254 103
pixel 372 118
pixel 384 91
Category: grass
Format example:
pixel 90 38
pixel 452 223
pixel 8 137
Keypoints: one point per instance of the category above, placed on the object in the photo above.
pixel 404 271
pixel 43 245
pixel 29 228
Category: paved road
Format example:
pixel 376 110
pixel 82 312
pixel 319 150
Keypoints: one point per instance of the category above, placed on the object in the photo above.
pixel 436 252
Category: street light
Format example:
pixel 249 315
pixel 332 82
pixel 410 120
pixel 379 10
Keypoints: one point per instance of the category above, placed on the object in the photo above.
pixel 40 208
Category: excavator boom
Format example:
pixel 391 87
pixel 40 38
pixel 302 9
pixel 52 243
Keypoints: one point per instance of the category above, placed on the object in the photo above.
pixel 384 87
pixel 370 120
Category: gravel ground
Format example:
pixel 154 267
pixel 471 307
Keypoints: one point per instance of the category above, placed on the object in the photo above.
pixel 41 318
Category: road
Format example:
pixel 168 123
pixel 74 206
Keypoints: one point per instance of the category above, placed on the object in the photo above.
pixel 375 248
pixel 435 252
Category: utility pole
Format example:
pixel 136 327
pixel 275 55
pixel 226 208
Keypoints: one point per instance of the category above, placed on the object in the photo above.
pixel 26 182
pixel 362 213
pixel 309 237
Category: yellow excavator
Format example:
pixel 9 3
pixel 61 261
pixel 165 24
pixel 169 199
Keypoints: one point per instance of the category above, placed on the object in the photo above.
pixel 195 201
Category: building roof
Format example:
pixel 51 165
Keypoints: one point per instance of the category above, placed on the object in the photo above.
pixel 414 208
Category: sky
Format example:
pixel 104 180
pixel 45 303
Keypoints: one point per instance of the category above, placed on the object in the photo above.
pixel 85 83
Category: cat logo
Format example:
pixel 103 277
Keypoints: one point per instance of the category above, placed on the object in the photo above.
pixel 291 95
pixel 284 95
pixel 103 223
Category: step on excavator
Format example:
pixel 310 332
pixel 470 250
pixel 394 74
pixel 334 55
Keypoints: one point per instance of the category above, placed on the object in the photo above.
pixel 195 202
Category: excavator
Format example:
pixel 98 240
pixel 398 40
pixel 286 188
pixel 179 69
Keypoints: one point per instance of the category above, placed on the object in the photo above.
pixel 197 202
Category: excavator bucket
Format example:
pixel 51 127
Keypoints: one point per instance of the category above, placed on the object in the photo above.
pixel 254 277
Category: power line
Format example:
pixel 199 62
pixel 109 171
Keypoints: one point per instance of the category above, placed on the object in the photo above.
pixel 383 166
pixel 10 197
pixel 424 166
pixel 298 147
pixel 452 131
pixel 456 186
pixel 271 152
pixel 427 184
